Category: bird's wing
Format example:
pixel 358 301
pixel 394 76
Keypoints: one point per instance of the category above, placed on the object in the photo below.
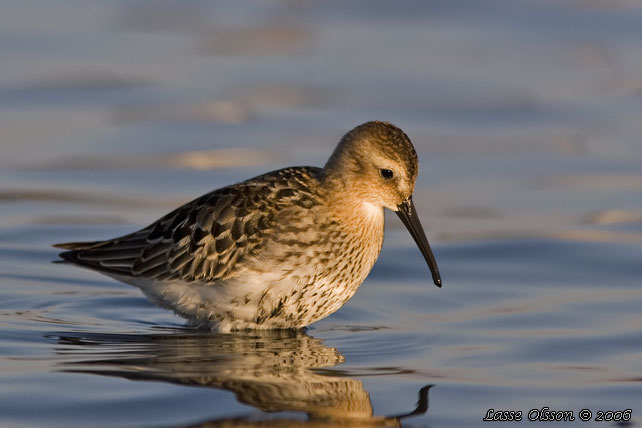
pixel 205 239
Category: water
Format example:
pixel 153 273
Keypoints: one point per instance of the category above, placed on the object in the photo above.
pixel 526 119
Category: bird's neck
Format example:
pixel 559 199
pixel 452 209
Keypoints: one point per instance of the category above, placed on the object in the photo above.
pixel 361 223
pixel 361 218
pixel 352 200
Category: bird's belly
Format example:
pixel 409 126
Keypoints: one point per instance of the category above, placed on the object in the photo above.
pixel 292 304
pixel 260 302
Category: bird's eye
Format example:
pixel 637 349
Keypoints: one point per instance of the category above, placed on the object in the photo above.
pixel 386 173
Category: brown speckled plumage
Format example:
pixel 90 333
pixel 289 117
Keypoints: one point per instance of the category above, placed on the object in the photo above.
pixel 283 249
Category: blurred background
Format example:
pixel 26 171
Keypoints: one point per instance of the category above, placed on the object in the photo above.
pixel 526 116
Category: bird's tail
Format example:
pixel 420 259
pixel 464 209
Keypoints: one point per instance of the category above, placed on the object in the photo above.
pixel 71 256
pixel 78 245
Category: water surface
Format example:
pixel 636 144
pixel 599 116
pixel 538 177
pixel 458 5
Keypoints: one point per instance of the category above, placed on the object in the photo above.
pixel 525 116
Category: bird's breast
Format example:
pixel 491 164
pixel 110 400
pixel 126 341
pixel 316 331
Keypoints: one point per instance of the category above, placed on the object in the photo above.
pixel 311 267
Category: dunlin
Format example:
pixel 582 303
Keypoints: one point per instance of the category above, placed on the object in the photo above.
pixel 281 250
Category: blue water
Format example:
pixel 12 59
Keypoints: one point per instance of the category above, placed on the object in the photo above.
pixel 525 116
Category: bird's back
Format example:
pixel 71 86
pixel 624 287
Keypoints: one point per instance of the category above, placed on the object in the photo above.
pixel 206 239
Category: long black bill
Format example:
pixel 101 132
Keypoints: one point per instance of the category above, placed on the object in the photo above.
pixel 408 215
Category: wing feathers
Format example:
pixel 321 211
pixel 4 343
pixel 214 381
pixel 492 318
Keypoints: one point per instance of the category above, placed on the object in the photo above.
pixel 205 239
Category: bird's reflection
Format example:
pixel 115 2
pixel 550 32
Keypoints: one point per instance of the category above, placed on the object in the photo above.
pixel 273 371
